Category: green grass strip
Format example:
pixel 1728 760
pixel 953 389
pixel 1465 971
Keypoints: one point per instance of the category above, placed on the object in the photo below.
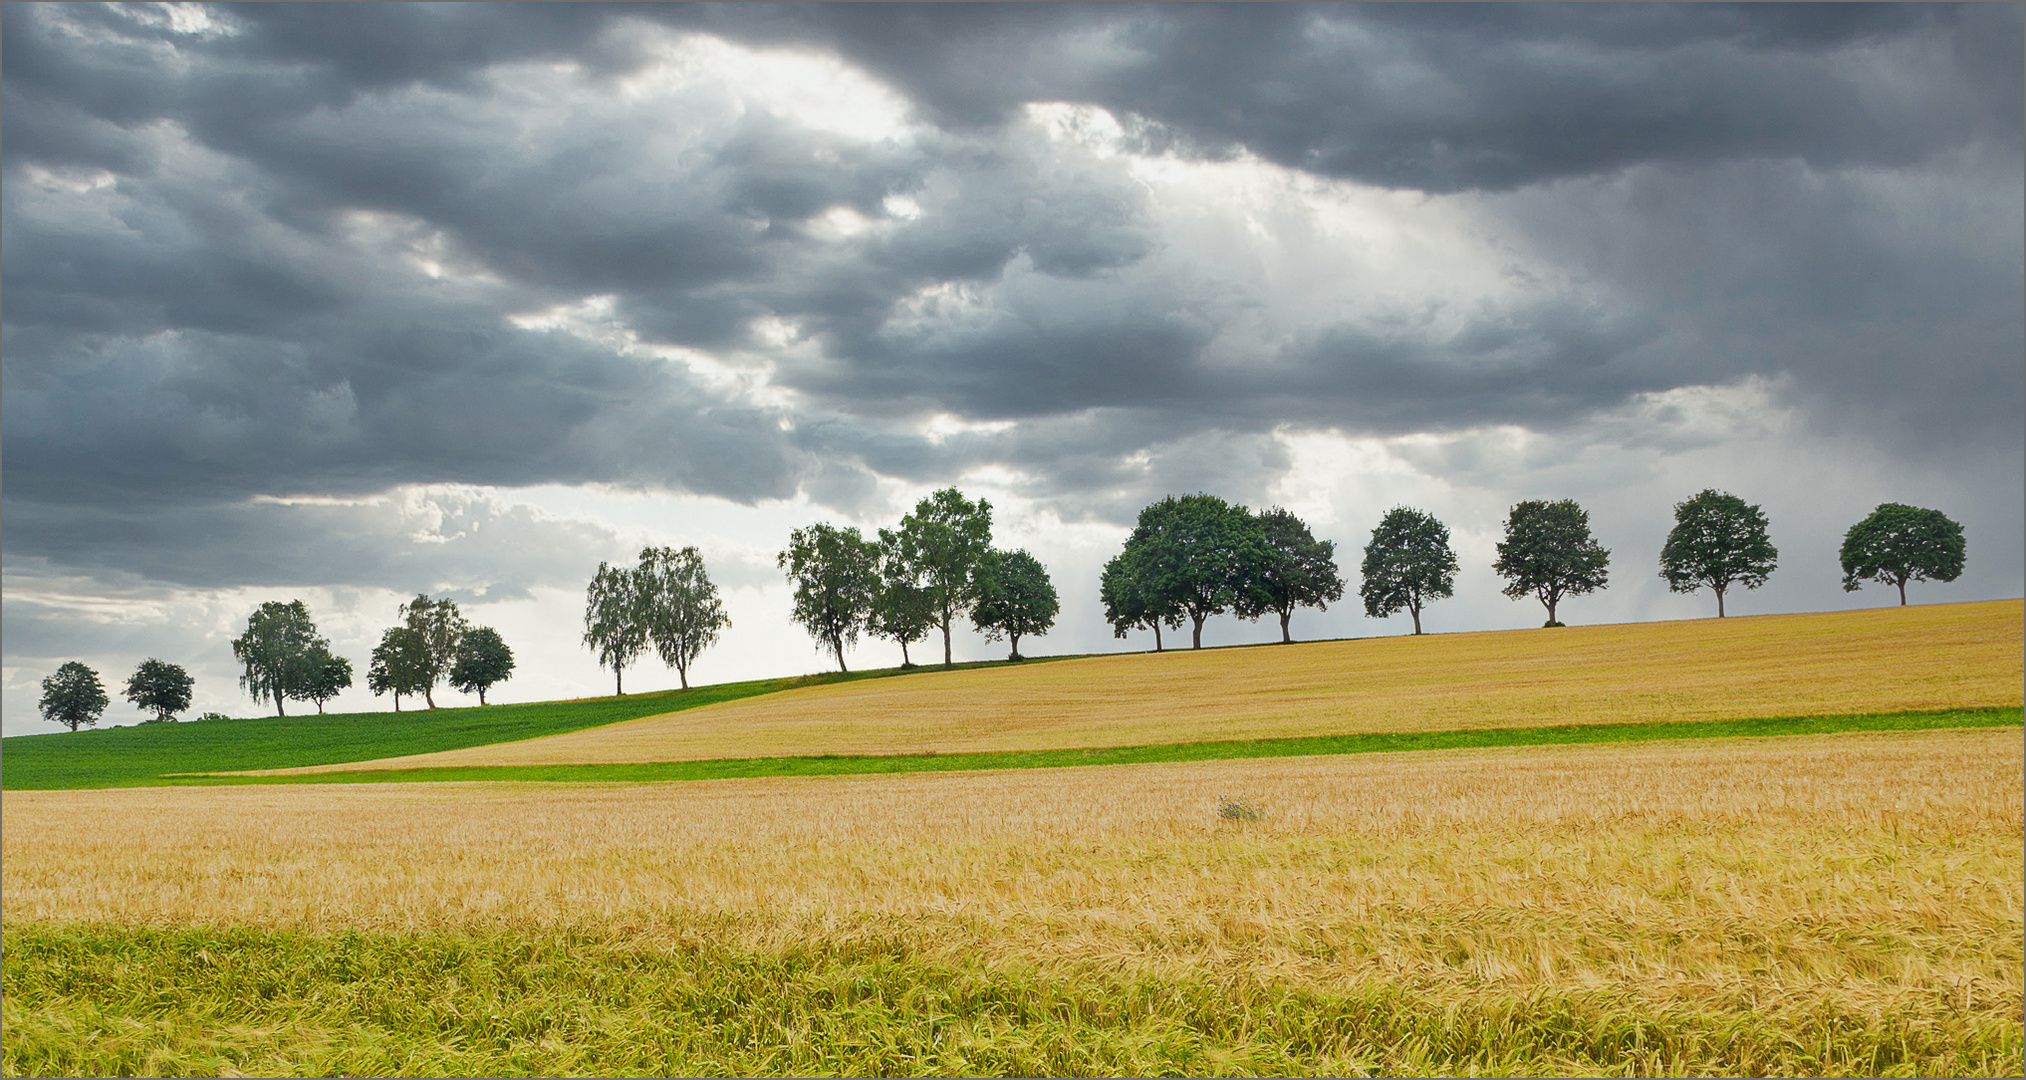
pixel 847 765
pixel 139 754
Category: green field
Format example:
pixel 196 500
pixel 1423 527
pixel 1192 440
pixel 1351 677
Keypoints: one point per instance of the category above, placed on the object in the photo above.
pixel 142 754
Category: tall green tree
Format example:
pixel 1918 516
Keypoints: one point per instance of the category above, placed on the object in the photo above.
pixel 1015 598
pixel 1129 602
pixel 679 606
pixel 482 660
pixel 160 687
pixel 836 577
pixel 399 665
pixel 946 537
pixel 73 696
pixel 329 676
pixel 278 652
pixel 1898 543
pixel 1407 563
pixel 441 627
pixel 903 611
pixel 613 627
pixel 1201 556
pixel 1548 553
pixel 1718 540
pixel 1299 571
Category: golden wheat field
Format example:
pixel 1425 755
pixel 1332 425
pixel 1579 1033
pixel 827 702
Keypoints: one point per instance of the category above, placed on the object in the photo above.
pixel 1865 872
pixel 1881 660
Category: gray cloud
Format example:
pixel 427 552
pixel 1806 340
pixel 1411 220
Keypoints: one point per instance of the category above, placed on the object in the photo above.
pixel 295 252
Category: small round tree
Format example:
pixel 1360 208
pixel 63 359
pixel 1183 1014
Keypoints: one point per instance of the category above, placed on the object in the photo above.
pixel 73 696
pixel 1718 540
pixel 1900 543
pixel 1015 598
pixel 1548 551
pixel 1407 564
pixel 160 687
pixel 482 660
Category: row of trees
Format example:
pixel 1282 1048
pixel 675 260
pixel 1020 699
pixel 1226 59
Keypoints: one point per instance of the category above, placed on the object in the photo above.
pixel 435 644
pixel 1195 556
pixel 75 698
pixel 936 567
pixel 667 601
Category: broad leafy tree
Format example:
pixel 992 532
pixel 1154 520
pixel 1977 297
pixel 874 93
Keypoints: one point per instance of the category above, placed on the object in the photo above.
pixel 73 696
pixel 903 611
pixel 946 537
pixel 161 688
pixel 1129 603
pixel 441 627
pixel 1900 543
pixel 482 660
pixel 1299 571
pixel 836 577
pixel 278 652
pixel 679 606
pixel 329 676
pixel 1015 598
pixel 1718 541
pixel 1201 556
pixel 613 627
pixel 1407 563
pixel 400 664
pixel 1548 553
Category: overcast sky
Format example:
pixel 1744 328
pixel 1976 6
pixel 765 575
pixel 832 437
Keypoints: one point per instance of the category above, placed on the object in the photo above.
pixel 347 302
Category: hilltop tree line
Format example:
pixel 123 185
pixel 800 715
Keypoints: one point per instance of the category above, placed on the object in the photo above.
pixel 1188 557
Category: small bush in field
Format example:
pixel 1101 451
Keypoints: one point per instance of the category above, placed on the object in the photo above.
pixel 1237 808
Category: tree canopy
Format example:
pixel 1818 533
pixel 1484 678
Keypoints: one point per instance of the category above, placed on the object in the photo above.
pixel 1407 563
pixel 482 660
pixel 1718 540
pixel 945 538
pixel 1299 571
pixel 440 627
pixel 1898 543
pixel 903 611
pixel 1198 555
pixel 73 696
pixel 836 577
pixel 1015 598
pixel 1548 552
pixel 161 688
pixel 612 626
pixel 1130 602
pixel 279 653
pixel 679 606
pixel 400 664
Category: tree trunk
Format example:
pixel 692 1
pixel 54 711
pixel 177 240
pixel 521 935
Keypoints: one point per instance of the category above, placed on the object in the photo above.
pixel 1285 639
pixel 619 681
pixel 904 661
pixel 1196 641
pixel 1016 646
pixel 682 675
pixel 1552 601
pixel 279 711
pixel 1719 603
pixel 397 701
pixel 1414 609
pixel 481 697
pixel 946 640
pixel 836 646
pixel 429 695
pixel 1157 635
pixel 320 706
pixel 1902 592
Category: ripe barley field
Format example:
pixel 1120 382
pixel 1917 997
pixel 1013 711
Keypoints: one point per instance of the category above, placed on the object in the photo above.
pixel 1940 656
pixel 1840 904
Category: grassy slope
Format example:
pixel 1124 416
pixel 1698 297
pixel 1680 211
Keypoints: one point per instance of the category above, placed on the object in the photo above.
pixel 855 765
pixel 126 756
pixel 1951 656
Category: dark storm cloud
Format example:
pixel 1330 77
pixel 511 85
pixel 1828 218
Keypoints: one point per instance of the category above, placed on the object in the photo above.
pixel 213 238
